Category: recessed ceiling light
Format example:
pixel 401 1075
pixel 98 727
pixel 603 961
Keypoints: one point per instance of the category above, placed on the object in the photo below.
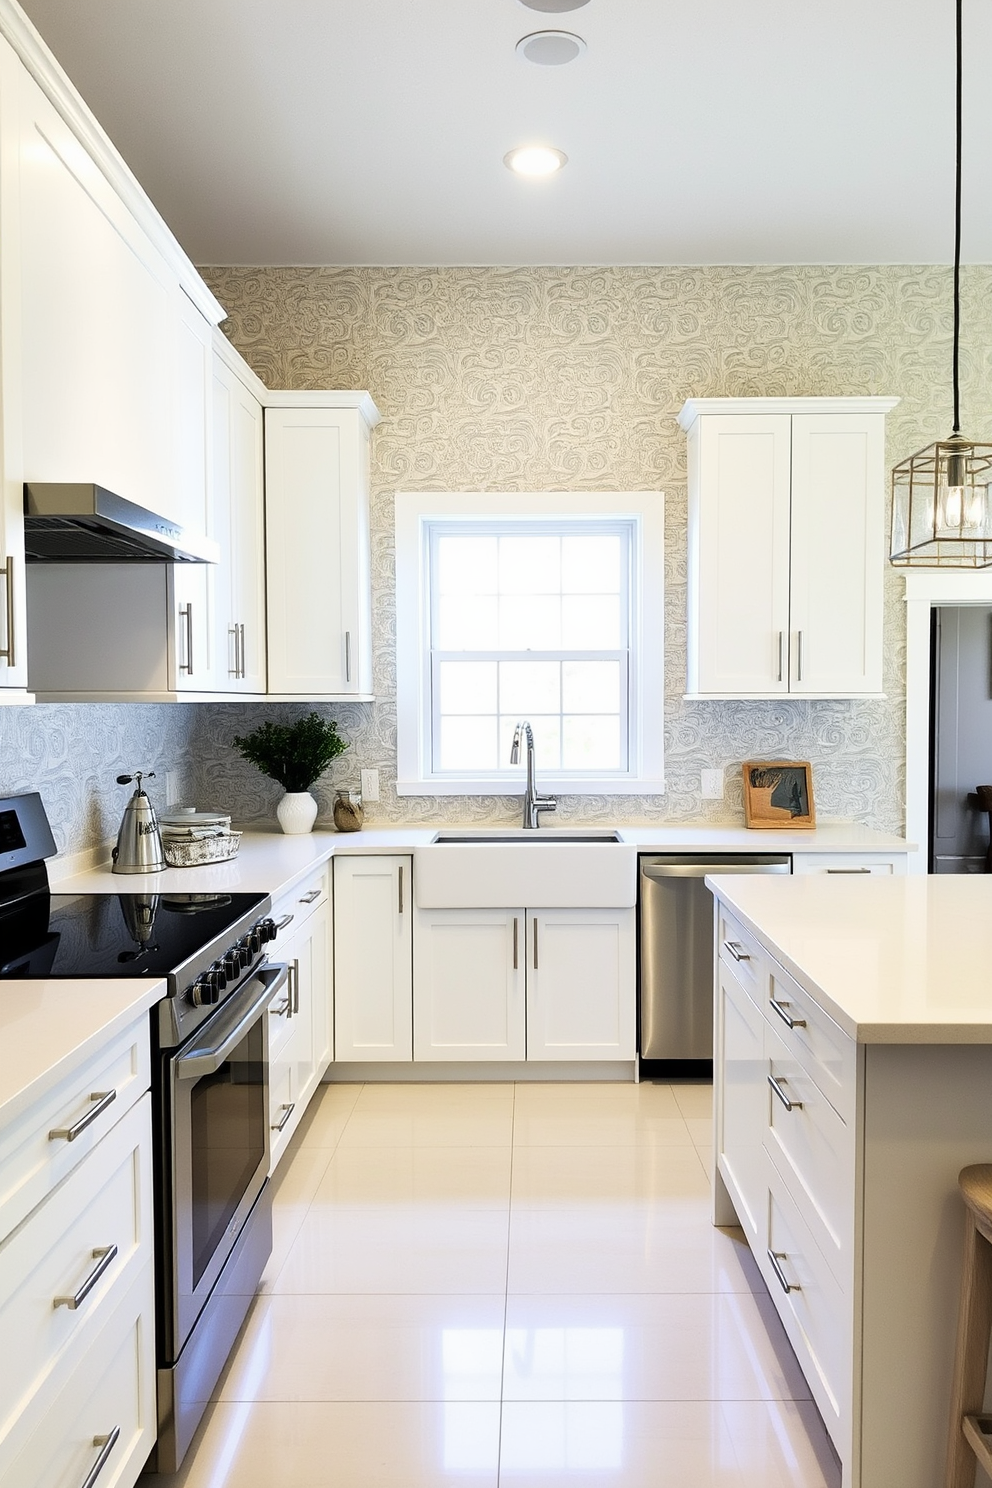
pixel 554 7
pixel 535 160
pixel 550 48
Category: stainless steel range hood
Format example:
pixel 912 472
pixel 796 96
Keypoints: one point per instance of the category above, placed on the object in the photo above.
pixel 82 523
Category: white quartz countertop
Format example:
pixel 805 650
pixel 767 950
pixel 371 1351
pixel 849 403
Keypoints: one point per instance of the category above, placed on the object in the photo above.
pixel 268 862
pixel 49 1027
pixel 893 960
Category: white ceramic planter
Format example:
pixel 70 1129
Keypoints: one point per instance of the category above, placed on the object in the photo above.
pixel 297 812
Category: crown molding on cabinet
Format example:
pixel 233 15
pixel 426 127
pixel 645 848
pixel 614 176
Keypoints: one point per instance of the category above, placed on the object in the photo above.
pixel 693 407
pixel 287 398
pixel 57 87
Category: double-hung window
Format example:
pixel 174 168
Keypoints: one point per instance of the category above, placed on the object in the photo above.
pixel 545 608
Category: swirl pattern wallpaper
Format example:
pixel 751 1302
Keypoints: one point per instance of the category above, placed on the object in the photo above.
pixel 529 379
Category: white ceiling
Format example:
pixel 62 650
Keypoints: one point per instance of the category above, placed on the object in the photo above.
pixel 373 131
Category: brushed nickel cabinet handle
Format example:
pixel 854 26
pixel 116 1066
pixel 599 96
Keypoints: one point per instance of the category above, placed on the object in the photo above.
pixel 106 1443
pixel 347 656
pixel 8 572
pixel 235 670
pixel 775 1256
pixel 736 950
pixel 516 943
pixel 848 870
pixel 186 617
pixel 296 987
pixel 287 1112
pixel 286 920
pixel 103 1099
pixel 782 1008
pixel 535 942
pixel 781 655
pixel 799 659
pixel 309 898
pixel 104 1255
pixel 790 1105
pixel 243 672
pixel 399 877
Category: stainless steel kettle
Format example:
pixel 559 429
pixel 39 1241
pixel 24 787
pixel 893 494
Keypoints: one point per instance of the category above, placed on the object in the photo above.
pixel 139 842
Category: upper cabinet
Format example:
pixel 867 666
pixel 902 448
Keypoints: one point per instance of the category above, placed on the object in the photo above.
pixel 786 504
pixel 238 524
pixel 317 544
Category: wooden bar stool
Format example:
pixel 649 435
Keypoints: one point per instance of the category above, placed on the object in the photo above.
pixel 971 1432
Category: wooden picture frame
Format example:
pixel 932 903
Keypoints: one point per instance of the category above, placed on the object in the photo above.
pixel 778 794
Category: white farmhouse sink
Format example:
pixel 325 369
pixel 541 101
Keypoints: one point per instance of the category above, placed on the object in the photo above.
pixel 540 869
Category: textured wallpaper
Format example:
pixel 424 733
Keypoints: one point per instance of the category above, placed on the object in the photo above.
pixel 559 378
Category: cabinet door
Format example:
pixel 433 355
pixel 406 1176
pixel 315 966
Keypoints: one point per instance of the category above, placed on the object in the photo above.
pixel 373 959
pixel 743 1110
pixel 317 553
pixel 739 554
pixel 192 584
pixel 838 501
pixel 238 525
pixel 468 977
pixel 580 984
pixel 13 601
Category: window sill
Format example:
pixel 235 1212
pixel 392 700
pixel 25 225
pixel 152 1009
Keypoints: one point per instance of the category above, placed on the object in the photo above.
pixel 547 785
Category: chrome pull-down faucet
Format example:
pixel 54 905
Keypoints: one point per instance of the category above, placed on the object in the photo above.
pixel 533 803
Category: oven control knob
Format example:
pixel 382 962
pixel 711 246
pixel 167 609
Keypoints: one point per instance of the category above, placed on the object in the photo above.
pixel 256 940
pixel 219 972
pixel 205 990
pixel 232 963
pixel 267 930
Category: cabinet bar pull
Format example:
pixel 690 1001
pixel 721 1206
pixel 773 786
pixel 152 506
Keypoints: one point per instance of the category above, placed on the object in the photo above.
pixel 781 655
pixel 104 1255
pixel 106 1444
pixel 535 942
pixel 775 1256
pixel 736 950
pixel 799 659
pixel 782 1008
pixel 286 920
pixel 241 645
pixel 186 616
pixel 516 933
pixel 848 870
pixel 283 1008
pixel 103 1099
pixel 309 898
pixel 234 671
pixel 296 987
pixel 347 656
pixel 399 878
pixel 790 1105
pixel 287 1112
pixel 8 572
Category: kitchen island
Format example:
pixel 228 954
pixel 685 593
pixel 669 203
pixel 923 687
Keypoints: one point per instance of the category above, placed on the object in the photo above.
pixel 853 1077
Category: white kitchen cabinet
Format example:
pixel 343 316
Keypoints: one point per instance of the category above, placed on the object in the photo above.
pixel 318 586
pixel 469 984
pixel 300 1015
pixel 373 959
pixel 238 524
pixel 580 984
pixel 76 1222
pixel 191 585
pixel 739 1055
pixel 13 599
pixel 858 864
pixel 786 505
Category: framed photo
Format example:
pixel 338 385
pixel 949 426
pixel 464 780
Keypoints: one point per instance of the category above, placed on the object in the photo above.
pixel 778 793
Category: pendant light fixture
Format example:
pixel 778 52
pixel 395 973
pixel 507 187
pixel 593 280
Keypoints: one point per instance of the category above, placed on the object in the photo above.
pixel 941 506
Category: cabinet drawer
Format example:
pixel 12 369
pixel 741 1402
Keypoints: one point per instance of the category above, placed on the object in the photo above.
pixel 810 1303
pixel 823 1049
pixel 95 1228
pixel 110 1389
pixel 740 951
pixel 813 1150
pixel 297 905
pixel 849 864
pixel 741 1111
pixel 33 1159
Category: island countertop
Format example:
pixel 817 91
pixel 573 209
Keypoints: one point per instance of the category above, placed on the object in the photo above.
pixel 892 959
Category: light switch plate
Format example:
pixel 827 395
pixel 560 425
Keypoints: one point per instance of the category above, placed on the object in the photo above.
pixel 712 784
pixel 370 785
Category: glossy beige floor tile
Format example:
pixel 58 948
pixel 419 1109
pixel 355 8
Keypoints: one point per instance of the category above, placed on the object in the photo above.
pixel 700 1130
pixel 407 1248
pixel 615 1444
pixel 473 1177
pixel 581 1175
pixel 370 1347
pixel 468 1124
pixel 671 1347
pixel 328 1115
pixel 694 1098
pixel 782 1444
pixel 441 1096
pixel 353 1445
pixel 625 1248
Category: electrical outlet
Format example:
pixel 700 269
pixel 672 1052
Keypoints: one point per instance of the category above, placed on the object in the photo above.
pixel 712 785
pixel 370 785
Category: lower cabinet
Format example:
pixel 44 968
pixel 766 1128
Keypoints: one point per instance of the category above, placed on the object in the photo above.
pixel 740 1056
pixel 300 1016
pixel 495 984
pixel 77 1295
pixel 373 959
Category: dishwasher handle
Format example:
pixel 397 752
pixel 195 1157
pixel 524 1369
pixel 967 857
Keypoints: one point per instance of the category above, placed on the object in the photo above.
pixel 691 869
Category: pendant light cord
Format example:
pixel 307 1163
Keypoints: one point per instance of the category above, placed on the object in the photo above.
pixel 957 224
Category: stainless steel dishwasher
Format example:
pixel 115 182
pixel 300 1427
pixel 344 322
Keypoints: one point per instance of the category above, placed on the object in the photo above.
pixel 676 955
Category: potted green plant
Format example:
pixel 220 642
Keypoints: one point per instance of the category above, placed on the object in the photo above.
pixel 295 754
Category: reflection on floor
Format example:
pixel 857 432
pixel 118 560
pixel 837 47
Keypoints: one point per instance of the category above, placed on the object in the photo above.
pixel 508 1284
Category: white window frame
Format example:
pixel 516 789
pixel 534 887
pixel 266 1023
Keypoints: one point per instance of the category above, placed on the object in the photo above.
pixel 415 511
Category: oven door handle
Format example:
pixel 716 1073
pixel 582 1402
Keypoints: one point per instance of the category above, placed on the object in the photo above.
pixel 235 1020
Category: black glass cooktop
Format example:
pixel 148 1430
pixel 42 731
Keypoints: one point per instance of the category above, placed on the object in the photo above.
pixel 113 935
